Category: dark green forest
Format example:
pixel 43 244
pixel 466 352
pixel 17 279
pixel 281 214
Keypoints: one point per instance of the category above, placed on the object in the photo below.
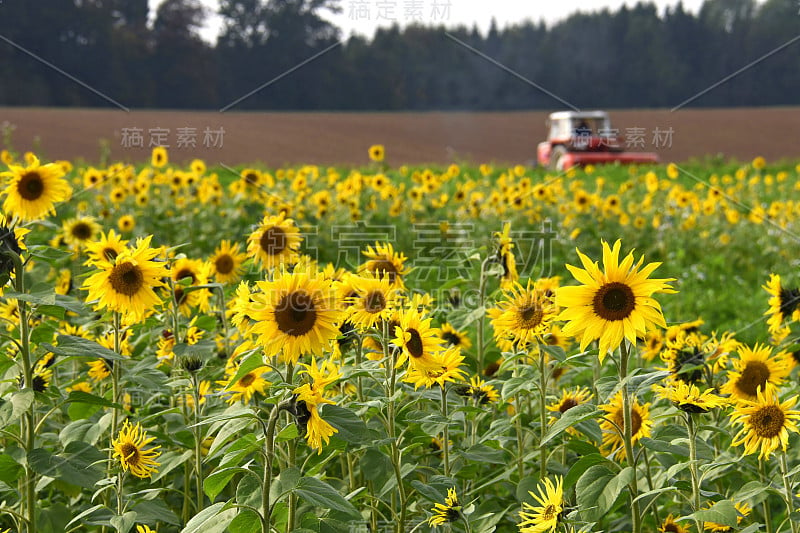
pixel 632 57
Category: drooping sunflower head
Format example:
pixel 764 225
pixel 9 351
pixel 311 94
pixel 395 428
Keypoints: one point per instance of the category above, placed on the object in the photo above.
pixel 32 192
pixel 226 263
pixel 783 303
pixel 298 315
pixel 614 303
pixel 384 261
pixel 275 242
pixel 446 512
pixel 545 516
pixel 756 369
pixel 669 525
pixel 766 423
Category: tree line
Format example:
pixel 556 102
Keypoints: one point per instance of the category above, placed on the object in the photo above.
pixel 630 57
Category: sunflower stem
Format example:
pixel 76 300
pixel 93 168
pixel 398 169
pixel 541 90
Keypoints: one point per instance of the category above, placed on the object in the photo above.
pixel 446 435
pixel 787 487
pixel 223 311
pixel 390 359
pixel 650 485
pixel 542 414
pixel 120 485
pixel 269 444
pixel 691 428
pixel 198 442
pixel 481 324
pixel 627 415
pixel 359 360
pixel 28 422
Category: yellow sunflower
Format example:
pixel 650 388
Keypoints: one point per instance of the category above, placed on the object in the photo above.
pixel 374 300
pixel 294 315
pixel 106 249
pixel 197 272
pixel 505 256
pixel 766 423
pixel 544 517
pixel 449 511
pixel 613 424
pixel 743 509
pixel 756 369
pixel 145 529
pixel 100 369
pixel 689 398
pixel 523 316
pixel 226 263
pixel 384 261
pixel 418 341
pixel 126 223
pixel 670 526
pixel 246 386
pixel 377 152
pixel 569 399
pixel 453 337
pixel 447 369
pixel 783 303
pixel 126 284
pixel 80 231
pixel 129 449
pixel 613 304
pixel 159 157
pixel 275 242
pixel 479 391
pixel 32 192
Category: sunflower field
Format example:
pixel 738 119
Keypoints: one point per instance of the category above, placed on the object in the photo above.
pixel 202 349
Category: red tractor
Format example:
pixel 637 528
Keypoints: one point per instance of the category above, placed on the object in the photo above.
pixel 585 138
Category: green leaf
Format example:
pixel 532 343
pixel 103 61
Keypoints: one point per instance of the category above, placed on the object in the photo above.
pixel 351 427
pixel 581 465
pixel 9 469
pixel 123 523
pixel 155 511
pixel 216 482
pixel 589 489
pixel 90 399
pixel 526 485
pixel 213 519
pixel 485 454
pixel 288 433
pixel 250 363
pixel 515 385
pixel 571 417
pixel 245 522
pixel 320 494
pixel 723 513
pixel 72 346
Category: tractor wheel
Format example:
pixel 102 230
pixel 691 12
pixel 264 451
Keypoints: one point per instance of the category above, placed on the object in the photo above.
pixel 557 158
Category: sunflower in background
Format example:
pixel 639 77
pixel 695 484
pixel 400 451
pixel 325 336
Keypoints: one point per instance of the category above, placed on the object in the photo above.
pixel 418 341
pixel 784 304
pixel 689 398
pixel 446 368
pixel 742 508
pixel 226 262
pixel 374 300
pixel 126 223
pixel 523 316
pixel 453 337
pixel 188 273
pixel 669 525
pixel 159 157
pixel 33 191
pixel 384 261
pixel 505 256
pixel 377 153
pixel 275 242
pixel 80 231
pixel 246 386
pixel 129 448
pixel 105 249
pixel 613 304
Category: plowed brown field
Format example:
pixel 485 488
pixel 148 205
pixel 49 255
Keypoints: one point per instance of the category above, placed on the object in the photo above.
pixel 410 138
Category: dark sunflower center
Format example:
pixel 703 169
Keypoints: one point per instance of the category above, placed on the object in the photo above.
pixel 383 267
pixel 126 278
pixel 789 299
pixel 82 231
pixel 636 421
pixel 451 338
pixel 375 302
pixel 273 241
pixel 671 527
pixel 296 313
pixel 531 316
pixel 754 375
pixel 224 264
pixel 130 453
pixel 251 178
pixel 452 514
pixel 247 380
pixel 567 404
pixel 39 383
pixel 768 421
pixel 31 186
pixel 109 253
pixel 614 301
pixel 549 512
pixel 688 365
pixel 414 343
pixel 185 273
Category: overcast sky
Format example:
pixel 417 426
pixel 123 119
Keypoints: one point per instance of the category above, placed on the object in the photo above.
pixel 364 16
